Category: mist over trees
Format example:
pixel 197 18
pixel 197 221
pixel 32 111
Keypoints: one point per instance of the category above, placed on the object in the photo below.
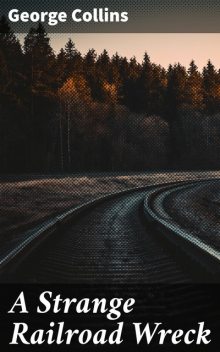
pixel 70 113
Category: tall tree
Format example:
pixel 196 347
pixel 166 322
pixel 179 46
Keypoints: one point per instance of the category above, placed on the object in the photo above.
pixel 194 88
pixel 145 82
pixel 90 60
pixel 73 58
pixel 61 68
pixel 40 58
pixel 9 44
pixel 211 85
pixel 176 90
pixel 40 68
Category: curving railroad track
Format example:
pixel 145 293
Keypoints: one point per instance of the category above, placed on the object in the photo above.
pixel 126 237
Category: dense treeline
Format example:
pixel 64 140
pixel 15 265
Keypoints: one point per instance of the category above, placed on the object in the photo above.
pixel 69 112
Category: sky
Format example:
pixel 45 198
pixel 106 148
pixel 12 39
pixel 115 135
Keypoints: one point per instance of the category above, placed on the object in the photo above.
pixel 162 48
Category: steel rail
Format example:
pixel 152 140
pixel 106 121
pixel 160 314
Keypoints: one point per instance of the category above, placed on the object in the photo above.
pixel 34 237
pixel 183 241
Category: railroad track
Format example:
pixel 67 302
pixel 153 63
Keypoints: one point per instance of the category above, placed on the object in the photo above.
pixel 110 241
pixel 202 257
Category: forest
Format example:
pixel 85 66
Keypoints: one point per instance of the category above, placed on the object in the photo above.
pixel 69 112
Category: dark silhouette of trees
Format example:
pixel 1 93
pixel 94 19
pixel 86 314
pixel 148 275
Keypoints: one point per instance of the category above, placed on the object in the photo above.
pixel 194 88
pixel 69 112
pixel 40 61
pixel 73 59
pixel 211 84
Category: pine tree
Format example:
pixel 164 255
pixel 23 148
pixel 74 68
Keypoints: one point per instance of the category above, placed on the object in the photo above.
pixel 73 59
pixel 176 90
pixel 42 103
pixel 158 90
pixel 11 51
pixel 12 99
pixel 103 61
pixel 90 60
pixel 9 44
pixel 145 84
pixel 194 88
pixel 211 85
pixel 61 68
pixel 89 69
pixel 131 85
pixel 40 59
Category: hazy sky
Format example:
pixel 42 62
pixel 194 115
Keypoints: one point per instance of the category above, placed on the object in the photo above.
pixel 163 48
